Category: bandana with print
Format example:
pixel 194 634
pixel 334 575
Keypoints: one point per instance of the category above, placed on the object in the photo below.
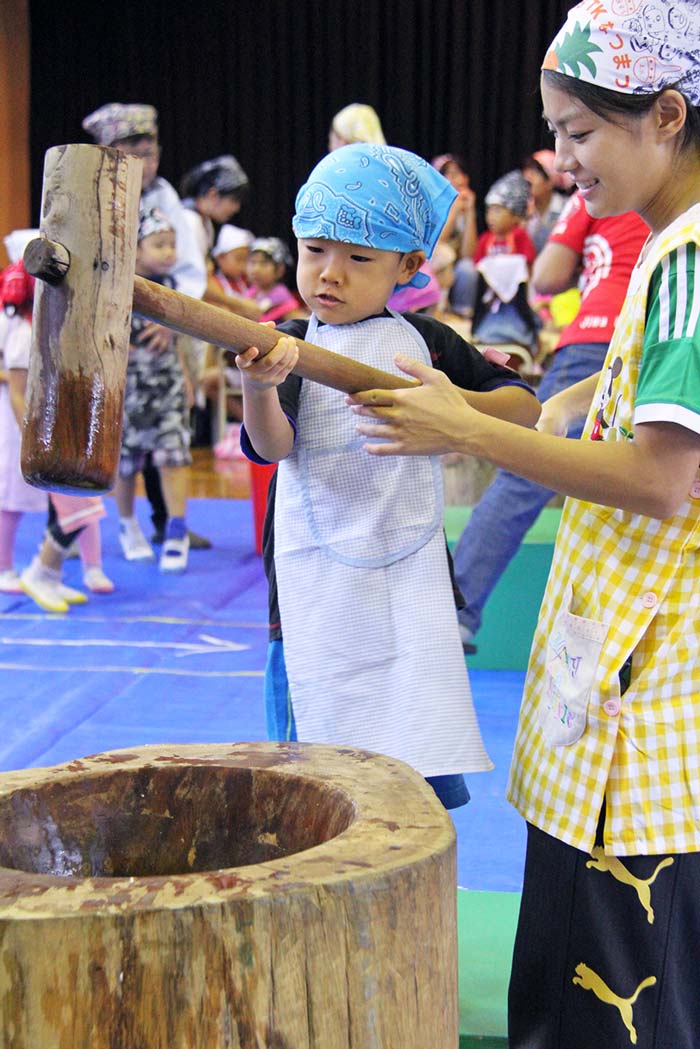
pixel 631 46
pixel 377 196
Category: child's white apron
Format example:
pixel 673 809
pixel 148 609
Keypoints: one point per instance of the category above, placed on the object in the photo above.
pixel 372 647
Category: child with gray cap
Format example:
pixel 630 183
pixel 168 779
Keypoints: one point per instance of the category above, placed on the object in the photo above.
pixel 503 256
pixel 357 555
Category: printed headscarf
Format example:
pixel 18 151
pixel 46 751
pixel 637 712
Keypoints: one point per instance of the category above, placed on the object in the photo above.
pixel 274 248
pixel 153 220
pixel 510 191
pixel 631 46
pixel 377 196
pixel 118 120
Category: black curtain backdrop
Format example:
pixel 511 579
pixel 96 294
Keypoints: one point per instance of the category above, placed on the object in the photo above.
pixel 262 79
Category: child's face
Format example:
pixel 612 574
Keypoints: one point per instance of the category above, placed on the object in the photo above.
pixel 156 254
pixel 263 271
pixel 344 283
pixel 147 150
pixel 233 263
pixel 500 220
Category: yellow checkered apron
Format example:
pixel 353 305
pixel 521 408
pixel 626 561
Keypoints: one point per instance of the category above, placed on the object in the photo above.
pixel 635 583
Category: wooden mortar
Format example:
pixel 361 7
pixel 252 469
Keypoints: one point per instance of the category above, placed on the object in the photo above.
pixel 249 895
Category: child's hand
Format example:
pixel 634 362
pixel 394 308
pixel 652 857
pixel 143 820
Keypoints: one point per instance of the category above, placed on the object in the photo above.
pixel 263 373
pixel 156 338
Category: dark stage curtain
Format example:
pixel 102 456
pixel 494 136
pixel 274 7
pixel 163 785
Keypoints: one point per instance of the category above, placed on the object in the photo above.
pixel 263 78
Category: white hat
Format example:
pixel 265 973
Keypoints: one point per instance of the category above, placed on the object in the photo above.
pixel 230 238
pixel 16 242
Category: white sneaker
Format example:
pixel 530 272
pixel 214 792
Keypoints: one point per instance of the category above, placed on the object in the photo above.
pixel 71 596
pixel 96 581
pixel 133 542
pixel 173 557
pixel 10 582
pixel 42 588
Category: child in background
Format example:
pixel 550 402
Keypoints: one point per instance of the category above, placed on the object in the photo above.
pixel 77 516
pixel 16 496
pixel 606 763
pixel 268 260
pixel 155 405
pixel 357 555
pixel 453 260
pixel 230 254
pixel 503 256
pixel 549 192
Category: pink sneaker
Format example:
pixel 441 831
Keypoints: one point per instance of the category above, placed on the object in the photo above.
pixel 96 581
pixel 10 582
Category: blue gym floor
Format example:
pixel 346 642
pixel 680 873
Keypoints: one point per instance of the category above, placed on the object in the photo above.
pixel 180 660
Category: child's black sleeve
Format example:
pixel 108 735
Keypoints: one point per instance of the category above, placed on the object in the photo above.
pixel 461 362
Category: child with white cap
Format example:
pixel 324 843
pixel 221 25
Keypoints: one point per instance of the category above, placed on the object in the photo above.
pixel 357 555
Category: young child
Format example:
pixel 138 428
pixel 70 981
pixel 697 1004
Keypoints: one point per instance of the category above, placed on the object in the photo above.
pixel 268 259
pixel 154 414
pixel 503 256
pixel 230 254
pixel 606 767
pixel 70 517
pixel 356 555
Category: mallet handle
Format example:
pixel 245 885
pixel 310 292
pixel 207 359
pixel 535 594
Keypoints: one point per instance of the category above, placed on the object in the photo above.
pixel 213 324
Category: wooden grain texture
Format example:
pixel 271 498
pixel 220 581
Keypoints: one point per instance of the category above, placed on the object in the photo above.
pixel 335 930
pixel 222 328
pixel 80 330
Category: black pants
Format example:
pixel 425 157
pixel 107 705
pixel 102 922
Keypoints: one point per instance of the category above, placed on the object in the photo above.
pixel 606 955
pixel 154 494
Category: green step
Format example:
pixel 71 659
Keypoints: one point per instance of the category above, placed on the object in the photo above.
pixel 486 923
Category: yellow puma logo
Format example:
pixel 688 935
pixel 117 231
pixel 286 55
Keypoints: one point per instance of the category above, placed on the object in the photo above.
pixel 601 862
pixel 590 981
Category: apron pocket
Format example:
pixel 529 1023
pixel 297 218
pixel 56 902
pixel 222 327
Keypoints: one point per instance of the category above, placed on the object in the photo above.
pixel 573 654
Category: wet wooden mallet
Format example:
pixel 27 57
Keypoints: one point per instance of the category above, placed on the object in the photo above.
pixel 85 261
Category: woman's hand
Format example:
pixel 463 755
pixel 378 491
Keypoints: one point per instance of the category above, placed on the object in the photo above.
pixel 264 373
pixel 553 419
pixel 427 420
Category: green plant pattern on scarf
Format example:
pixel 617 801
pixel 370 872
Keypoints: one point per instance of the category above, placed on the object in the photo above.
pixel 576 50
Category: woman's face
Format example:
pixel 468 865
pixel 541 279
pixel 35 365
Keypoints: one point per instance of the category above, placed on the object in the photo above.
pixel 616 167
pixel 456 176
pixel 540 186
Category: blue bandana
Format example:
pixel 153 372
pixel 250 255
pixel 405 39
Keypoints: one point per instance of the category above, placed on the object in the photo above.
pixel 377 196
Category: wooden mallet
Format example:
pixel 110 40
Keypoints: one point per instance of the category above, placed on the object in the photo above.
pixel 85 260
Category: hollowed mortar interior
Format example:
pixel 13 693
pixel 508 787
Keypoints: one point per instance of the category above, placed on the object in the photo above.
pixel 164 821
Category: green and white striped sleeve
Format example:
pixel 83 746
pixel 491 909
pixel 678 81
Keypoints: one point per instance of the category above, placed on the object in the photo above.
pixel 668 389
